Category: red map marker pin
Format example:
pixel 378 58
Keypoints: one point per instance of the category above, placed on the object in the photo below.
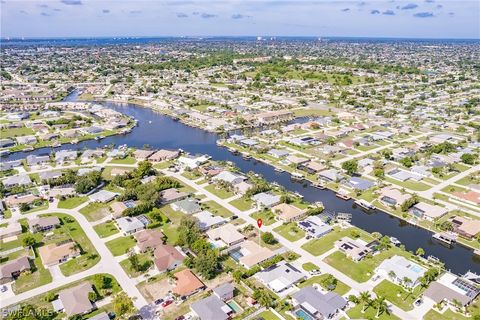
pixel 259 222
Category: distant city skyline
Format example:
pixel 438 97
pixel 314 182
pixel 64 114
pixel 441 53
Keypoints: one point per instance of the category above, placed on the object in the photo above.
pixel 390 19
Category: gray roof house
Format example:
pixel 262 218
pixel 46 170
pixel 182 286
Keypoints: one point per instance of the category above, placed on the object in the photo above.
pixel 187 206
pixel 280 277
pixel 224 291
pixel 65 155
pixel 33 160
pixel 266 199
pixel 330 175
pixel 359 183
pixel 75 300
pixel 278 153
pixel 48 175
pixel 211 308
pixel 316 304
pixel 130 225
pixel 18 180
pixel 207 220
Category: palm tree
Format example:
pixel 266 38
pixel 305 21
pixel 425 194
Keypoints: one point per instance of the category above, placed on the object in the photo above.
pixel 420 252
pixel 380 305
pixel 407 282
pixel 392 274
pixel 365 298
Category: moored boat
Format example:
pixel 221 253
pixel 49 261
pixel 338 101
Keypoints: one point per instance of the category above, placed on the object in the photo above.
pixel 365 204
pixel 447 238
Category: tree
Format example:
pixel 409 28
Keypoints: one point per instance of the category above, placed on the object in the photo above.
pixel 379 172
pixel 123 305
pixel 384 243
pixel 92 296
pixel 263 297
pixel 50 296
pixel 406 281
pixel 207 263
pixel 144 168
pixel 468 158
pixel 188 231
pixel 350 166
pixel 380 305
pixel 268 238
pixel 88 182
pixel 392 274
pixel 365 298
pixel 24 207
pixel 29 241
pixel 134 263
pixel 329 282
pixel 420 252
pixel 407 162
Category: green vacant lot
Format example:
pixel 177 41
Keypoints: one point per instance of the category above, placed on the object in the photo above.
pixel 121 245
pixel 290 231
pixel 70 203
pixel 341 287
pixel 106 229
pixel 397 295
pixel 325 243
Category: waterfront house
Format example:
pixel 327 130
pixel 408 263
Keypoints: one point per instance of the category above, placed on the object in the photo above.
pixel 465 227
pixel 192 162
pixel 359 183
pixel 314 226
pixel 427 211
pixel 398 268
pixel 33 160
pixel 287 212
pixel 265 200
pixel 393 197
pixel 331 175
pixel 229 177
pixel 311 303
pixel 278 153
pixel 142 155
pixel 452 289
pixel 353 249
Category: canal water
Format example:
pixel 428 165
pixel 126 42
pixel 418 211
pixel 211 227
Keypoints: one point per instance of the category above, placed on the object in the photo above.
pixel 160 131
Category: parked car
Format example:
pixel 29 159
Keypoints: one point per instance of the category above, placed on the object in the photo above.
pixel 158 301
pixel 167 303
pixel 3 288
pixel 418 302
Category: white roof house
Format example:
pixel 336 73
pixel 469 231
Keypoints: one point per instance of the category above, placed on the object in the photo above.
pixel 207 220
pixel 229 177
pixel 266 199
pixel 103 196
pixel 401 268
pixel 280 277
pixel 191 161
pixel 227 234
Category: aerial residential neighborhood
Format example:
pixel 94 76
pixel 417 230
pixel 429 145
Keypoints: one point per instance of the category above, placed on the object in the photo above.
pixel 240 177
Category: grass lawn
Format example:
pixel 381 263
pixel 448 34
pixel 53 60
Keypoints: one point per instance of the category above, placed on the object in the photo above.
pixel 217 209
pixel 126 160
pixel 15 132
pixel 191 175
pixel 145 262
pixel 267 216
pixel 242 203
pixel 447 315
pixel 341 287
pixel 290 231
pixel 121 245
pixel 309 266
pixel 106 229
pixel 219 192
pixel 170 229
pixel 370 313
pixel 412 185
pixel 361 271
pixel 70 203
pixel 268 315
pixel 397 295
pixel 325 243
pixel 95 211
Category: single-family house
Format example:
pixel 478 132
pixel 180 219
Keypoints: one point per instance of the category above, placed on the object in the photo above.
pixel 167 257
pixel 265 200
pixel 187 283
pixel 187 206
pixel 398 268
pixel 53 254
pixel 316 305
pixel 227 235
pixel 287 212
pixel 207 220
pixel 280 276
pixel 10 270
pixel 148 239
pixel 211 308
pixel 42 224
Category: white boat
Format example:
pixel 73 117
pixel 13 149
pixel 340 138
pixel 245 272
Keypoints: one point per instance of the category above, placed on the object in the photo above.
pixel 298 194
pixel 395 241
pixel 445 237
pixel 365 204
pixel 318 185
pixel 297 176
pixel 279 169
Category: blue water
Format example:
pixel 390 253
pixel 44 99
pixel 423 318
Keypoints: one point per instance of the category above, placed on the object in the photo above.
pixel 303 315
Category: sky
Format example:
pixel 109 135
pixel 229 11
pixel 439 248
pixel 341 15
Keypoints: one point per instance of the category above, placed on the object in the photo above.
pixel 321 18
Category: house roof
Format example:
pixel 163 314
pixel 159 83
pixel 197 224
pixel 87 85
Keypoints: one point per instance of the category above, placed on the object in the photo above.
pixel 148 238
pixel 165 255
pixel 287 212
pixel 228 233
pixel 224 289
pixel 280 276
pixel 188 205
pixel 187 283
pixel 128 224
pixel 206 220
pixel 75 300
pixel 429 210
pixel 266 199
pixel 43 221
pixel 103 196
pixel 402 268
pixel 252 253
pixel 17 265
pixel 172 194
pixel 394 194
pixel 53 252
pixel 211 308
pixel 315 301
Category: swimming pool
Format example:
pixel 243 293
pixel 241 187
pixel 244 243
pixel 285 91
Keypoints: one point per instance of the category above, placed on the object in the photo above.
pixel 303 315
pixel 234 306
pixel 416 269
pixel 236 254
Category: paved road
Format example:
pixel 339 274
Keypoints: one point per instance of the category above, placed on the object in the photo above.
pixel 294 247
pixel 108 264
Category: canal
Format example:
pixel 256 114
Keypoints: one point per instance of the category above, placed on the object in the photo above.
pixel 160 131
